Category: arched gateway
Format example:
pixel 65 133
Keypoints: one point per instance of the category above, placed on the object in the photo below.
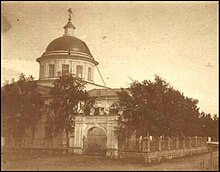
pixel 95 142
pixel 94 135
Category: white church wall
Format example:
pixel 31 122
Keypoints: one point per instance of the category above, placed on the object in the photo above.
pixel 44 71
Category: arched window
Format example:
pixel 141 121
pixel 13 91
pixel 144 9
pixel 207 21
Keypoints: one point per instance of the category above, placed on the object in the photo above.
pixel 79 71
pixel 51 70
pixel 89 74
pixel 65 69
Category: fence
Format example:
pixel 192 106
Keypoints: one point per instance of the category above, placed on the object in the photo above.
pixel 28 142
pixel 159 144
pixel 147 149
pixel 207 164
pixel 161 148
pixel 39 146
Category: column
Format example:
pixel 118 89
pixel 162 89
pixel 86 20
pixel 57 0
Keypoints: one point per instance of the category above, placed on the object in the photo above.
pixel 112 141
pixel 77 139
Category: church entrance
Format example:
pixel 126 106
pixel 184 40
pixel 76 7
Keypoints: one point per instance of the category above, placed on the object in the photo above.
pixel 96 142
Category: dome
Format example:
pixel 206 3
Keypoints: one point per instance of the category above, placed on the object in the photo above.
pixel 68 43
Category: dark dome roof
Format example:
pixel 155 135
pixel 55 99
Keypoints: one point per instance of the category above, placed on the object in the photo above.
pixel 68 43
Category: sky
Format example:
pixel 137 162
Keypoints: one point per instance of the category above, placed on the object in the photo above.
pixel 130 40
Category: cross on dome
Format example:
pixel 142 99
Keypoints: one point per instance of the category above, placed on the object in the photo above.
pixel 70 14
pixel 69 27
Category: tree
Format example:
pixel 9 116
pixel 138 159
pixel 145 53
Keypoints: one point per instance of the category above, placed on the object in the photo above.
pixel 156 108
pixel 215 127
pixel 69 98
pixel 21 106
pixel 208 125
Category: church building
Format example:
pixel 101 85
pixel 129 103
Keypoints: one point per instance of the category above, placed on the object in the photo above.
pixel 94 134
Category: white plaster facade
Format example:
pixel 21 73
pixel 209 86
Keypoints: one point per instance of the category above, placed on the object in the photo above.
pixel 106 123
pixel 67 59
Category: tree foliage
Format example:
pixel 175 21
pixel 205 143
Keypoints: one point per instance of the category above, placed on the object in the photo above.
pixel 21 106
pixel 68 96
pixel 156 108
pixel 209 125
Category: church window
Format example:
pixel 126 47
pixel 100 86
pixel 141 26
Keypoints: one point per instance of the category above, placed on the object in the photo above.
pixel 41 71
pixel 65 69
pixel 79 71
pixel 96 111
pixel 51 70
pixel 89 74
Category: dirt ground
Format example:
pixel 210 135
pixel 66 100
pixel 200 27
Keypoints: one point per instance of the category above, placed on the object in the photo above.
pixel 97 163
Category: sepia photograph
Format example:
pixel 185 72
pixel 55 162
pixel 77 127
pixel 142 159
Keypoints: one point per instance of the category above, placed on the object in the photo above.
pixel 109 86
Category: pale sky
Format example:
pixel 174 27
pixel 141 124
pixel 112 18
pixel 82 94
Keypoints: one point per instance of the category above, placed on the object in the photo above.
pixel 129 40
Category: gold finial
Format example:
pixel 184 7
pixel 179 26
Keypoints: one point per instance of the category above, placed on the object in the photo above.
pixel 70 14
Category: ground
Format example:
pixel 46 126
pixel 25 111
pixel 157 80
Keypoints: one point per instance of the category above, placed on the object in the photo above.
pixel 97 163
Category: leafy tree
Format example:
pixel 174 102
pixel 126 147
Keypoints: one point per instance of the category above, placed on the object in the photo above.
pixel 208 125
pixel 21 106
pixel 69 98
pixel 156 108
pixel 215 128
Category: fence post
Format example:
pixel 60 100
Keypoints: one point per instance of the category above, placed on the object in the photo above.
pixel 141 144
pixel 196 141
pixel 177 143
pixel 148 144
pixel 159 144
pixel 184 143
pixel 206 140
pixel 168 143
